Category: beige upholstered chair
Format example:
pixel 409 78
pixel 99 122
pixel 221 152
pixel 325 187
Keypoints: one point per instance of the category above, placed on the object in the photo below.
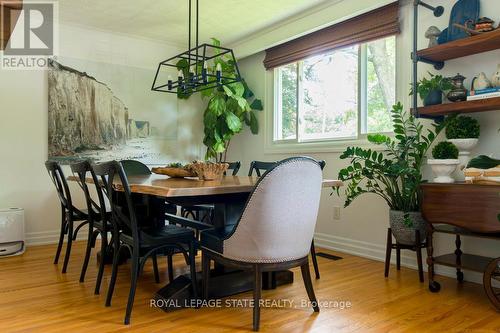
pixel 275 230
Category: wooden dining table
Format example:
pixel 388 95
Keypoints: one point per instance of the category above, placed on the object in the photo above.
pixel 228 196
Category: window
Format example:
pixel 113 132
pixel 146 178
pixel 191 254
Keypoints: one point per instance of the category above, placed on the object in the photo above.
pixel 342 94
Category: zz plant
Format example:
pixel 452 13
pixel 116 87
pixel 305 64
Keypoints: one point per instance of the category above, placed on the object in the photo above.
pixel 395 173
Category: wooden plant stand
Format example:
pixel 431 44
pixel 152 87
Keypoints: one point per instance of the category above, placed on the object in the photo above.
pixel 398 247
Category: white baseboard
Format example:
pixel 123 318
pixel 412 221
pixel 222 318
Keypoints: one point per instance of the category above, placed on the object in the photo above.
pixel 377 252
pixel 350 246
pixel 50 237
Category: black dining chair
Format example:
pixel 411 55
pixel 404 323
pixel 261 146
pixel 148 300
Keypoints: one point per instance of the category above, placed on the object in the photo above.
pixel 69 213
pixel 98 217
pixel 140 242
pixel 258 167
pixel 137 168
pixel 322 165
pixel 274 231
pixel 205 213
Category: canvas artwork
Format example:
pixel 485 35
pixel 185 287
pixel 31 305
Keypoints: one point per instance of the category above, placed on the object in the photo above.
pixel 101 111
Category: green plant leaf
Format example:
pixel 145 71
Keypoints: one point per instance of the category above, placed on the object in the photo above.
pixel 217 104
pixel 215 41
pixel 227 90
pixel 233 122
pixel 257 105
pixel 238 88
pixel 248 93
pixel 254 123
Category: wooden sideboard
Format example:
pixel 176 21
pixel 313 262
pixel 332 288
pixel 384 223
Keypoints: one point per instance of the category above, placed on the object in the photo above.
pixel 463 209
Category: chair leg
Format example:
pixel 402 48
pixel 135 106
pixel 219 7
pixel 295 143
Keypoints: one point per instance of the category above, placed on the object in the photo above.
pixel 104 249
pixel 114 269
pixel 314 260
pixel 306 276
pixel 257 291
pixel 68 245
pixel 205 269
pixel 418 249
pixel 155 268
pixel 388 251
pixel 87 253
pixel 192 268
pixel 133 284
pixel 170 267
pixel 61 235
pixel 398 257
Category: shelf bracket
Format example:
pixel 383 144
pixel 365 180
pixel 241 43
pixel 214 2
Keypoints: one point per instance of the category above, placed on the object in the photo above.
pixel 438 65
pixel 438 11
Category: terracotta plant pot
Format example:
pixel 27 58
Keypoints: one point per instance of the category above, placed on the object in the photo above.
pixel 209 171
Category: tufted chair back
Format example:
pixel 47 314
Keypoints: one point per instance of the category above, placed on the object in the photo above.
pixel 278 221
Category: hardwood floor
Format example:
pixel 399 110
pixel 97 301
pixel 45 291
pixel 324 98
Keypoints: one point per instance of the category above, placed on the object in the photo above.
pixel 36 297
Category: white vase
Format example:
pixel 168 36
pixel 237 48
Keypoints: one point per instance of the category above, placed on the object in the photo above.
pixel 443 169
pixel 464 147
pixel 495 79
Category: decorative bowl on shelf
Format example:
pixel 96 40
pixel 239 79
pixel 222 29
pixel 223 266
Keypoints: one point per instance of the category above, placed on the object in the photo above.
pixel 174 172
pixel 209 170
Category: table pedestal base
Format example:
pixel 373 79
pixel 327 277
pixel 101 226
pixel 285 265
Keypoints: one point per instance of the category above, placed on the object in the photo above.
pixel 178 294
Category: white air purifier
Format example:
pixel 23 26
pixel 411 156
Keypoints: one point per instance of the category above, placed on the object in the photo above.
pixel 11 232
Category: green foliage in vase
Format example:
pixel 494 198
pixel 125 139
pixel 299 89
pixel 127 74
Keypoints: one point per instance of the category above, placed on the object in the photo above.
pixel 462 127
pixel 229 108
pixel 395 173
pixel 445 150
pixel 436 82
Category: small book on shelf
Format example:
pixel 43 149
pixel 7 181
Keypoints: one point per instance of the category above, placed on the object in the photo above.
pixel 483 96
pixel 484 91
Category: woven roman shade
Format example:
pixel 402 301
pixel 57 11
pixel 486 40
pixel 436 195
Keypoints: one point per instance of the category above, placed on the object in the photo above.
pixel 379 23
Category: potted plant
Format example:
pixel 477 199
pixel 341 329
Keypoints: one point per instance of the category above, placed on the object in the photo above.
pixel 444 161
pixel 431 90
pixel 463 132
pixel 394 174
pixel 230 107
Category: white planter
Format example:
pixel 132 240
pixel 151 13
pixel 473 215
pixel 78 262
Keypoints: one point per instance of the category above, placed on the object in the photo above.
pixel 465 147
pixel 443 169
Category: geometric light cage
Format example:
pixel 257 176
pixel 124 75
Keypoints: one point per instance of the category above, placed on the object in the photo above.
pixel 195 70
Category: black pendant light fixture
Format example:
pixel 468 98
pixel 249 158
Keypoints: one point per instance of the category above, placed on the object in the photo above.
pixel 197 69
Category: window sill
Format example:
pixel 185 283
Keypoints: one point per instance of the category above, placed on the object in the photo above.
pixel 319 147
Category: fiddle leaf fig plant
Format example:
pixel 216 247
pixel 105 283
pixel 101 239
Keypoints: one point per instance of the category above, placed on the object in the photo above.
pixel 395 173
pixel 230 107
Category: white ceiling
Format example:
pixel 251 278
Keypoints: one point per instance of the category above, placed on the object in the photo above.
pixel 167 20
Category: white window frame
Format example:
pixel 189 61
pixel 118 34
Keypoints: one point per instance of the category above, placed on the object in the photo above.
pixel 362 107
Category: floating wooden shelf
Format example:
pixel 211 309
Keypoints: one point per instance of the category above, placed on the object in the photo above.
pixel 480 105
pixel 484 42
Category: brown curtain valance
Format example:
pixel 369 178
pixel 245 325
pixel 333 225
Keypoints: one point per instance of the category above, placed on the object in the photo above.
pixel 378 23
